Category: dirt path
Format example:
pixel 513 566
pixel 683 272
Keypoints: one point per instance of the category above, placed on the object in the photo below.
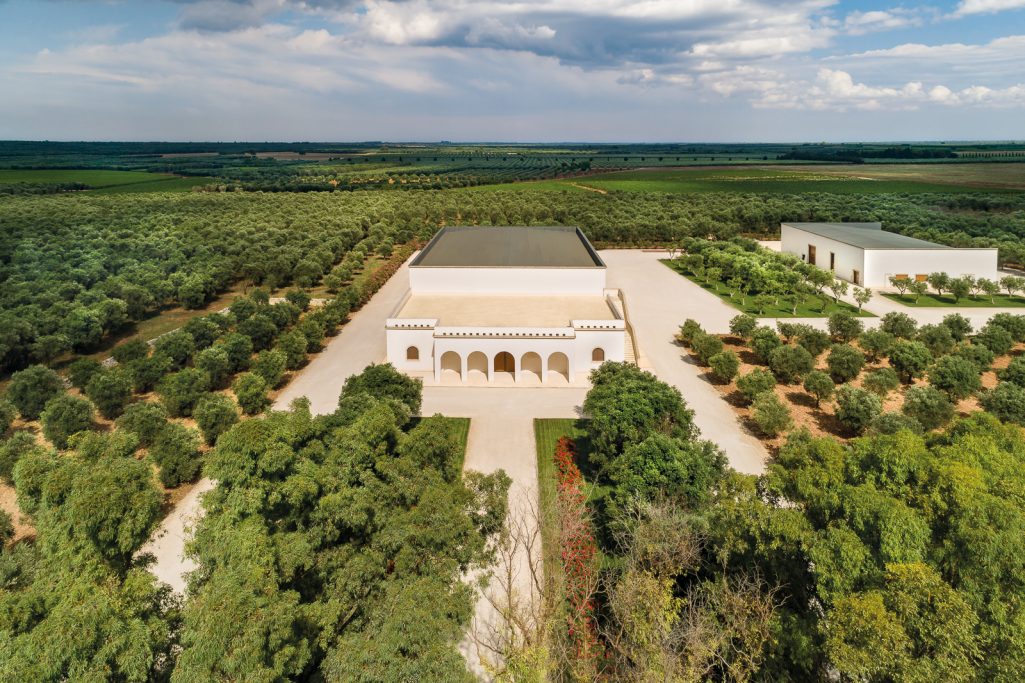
pixel 589 188
pixel 167 544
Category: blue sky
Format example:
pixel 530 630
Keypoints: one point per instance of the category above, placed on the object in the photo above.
pixel 529 70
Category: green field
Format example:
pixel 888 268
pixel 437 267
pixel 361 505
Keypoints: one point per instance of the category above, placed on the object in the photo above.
pixel 810 308
pixel 932 300
pixel 855 179
pixel 104 181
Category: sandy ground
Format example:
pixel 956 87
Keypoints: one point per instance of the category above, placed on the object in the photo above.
pixel 9 504
pixel 360 342
pixel 167 544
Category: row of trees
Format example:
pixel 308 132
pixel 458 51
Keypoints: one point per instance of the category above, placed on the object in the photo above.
pixel 958 287
pixel 152 390
pixel 77 271
pixel 333 547
pixel 769 278
pixel 949 356
pixel 74 269
pixel 893 557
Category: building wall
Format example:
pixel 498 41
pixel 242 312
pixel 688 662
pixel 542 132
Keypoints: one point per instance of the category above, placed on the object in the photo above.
pixel 848 258
pixel 567 281
pixel 398 342
pixel 877 265
pixel 577 346
pixel 881 264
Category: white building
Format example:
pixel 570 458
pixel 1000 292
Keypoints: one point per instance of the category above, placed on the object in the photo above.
pixel 507 305
pixel 867 255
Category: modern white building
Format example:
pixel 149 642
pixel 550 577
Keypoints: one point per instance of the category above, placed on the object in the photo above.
pixel 867 255
pixel 507 306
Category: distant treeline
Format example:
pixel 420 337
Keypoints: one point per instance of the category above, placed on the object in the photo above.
pixel 859 155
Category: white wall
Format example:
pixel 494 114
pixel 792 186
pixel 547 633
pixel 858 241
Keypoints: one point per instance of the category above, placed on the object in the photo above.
pixel 848 258
pixel 881 264
pixel 398 342
pixel 612 341
pixel 578 345
pixel 552 281
pixel 877 265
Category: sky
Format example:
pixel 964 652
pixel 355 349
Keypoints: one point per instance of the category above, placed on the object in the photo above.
pixel 520 71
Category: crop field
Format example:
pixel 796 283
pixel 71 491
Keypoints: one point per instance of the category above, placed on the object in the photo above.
pixel 853 179
pixel 103 180
pixel 1001 176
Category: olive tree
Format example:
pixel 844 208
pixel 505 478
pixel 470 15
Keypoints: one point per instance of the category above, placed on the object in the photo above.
pixel 882 381
pixel 856 408
pixel 110 391
pixel 770 414
pixel 790 363
pixel 31 388
pixel 956 377
pixel 1007 401
pixel 844 363
pixel 755 382
pixel 180 391
pixel 63 416
pixel 725 366
pixel 844 327
pixel 910 359
pixel 215 414
pixel 819 385
pixel 145 420
pixel 900 325
pixel 929 406
pixel 251 392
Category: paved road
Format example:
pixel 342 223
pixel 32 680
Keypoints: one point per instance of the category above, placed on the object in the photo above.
pixel 167 544
pixel 659 300
pixel 360 342
pixel 502 437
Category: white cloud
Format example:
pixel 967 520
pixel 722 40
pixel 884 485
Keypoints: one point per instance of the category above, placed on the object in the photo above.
pixel 859 23
pixel 966 7
pixel 455 65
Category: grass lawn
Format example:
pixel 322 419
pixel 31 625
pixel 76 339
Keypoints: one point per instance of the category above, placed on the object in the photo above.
pixel 547 433
pixel 812 308
pixel 931 300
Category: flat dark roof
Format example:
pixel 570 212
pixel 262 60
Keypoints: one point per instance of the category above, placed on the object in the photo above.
pixel 865 235
pixel 509 247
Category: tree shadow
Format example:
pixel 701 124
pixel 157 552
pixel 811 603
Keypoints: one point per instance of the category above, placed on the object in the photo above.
pixel 736 399
pixel 801 398
pixel 828 423
pixel 748 357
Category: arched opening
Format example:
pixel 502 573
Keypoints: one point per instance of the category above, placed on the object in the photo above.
pixel 451 367
pixel 530 368
pixel 598 355
pixel 558 367
pixel 413 353
pixel 504 366
pixel 477 368
pixel 504 362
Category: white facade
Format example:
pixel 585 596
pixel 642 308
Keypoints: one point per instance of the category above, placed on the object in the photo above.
pixel 506 280
pixel 506 325
pixel 873 267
